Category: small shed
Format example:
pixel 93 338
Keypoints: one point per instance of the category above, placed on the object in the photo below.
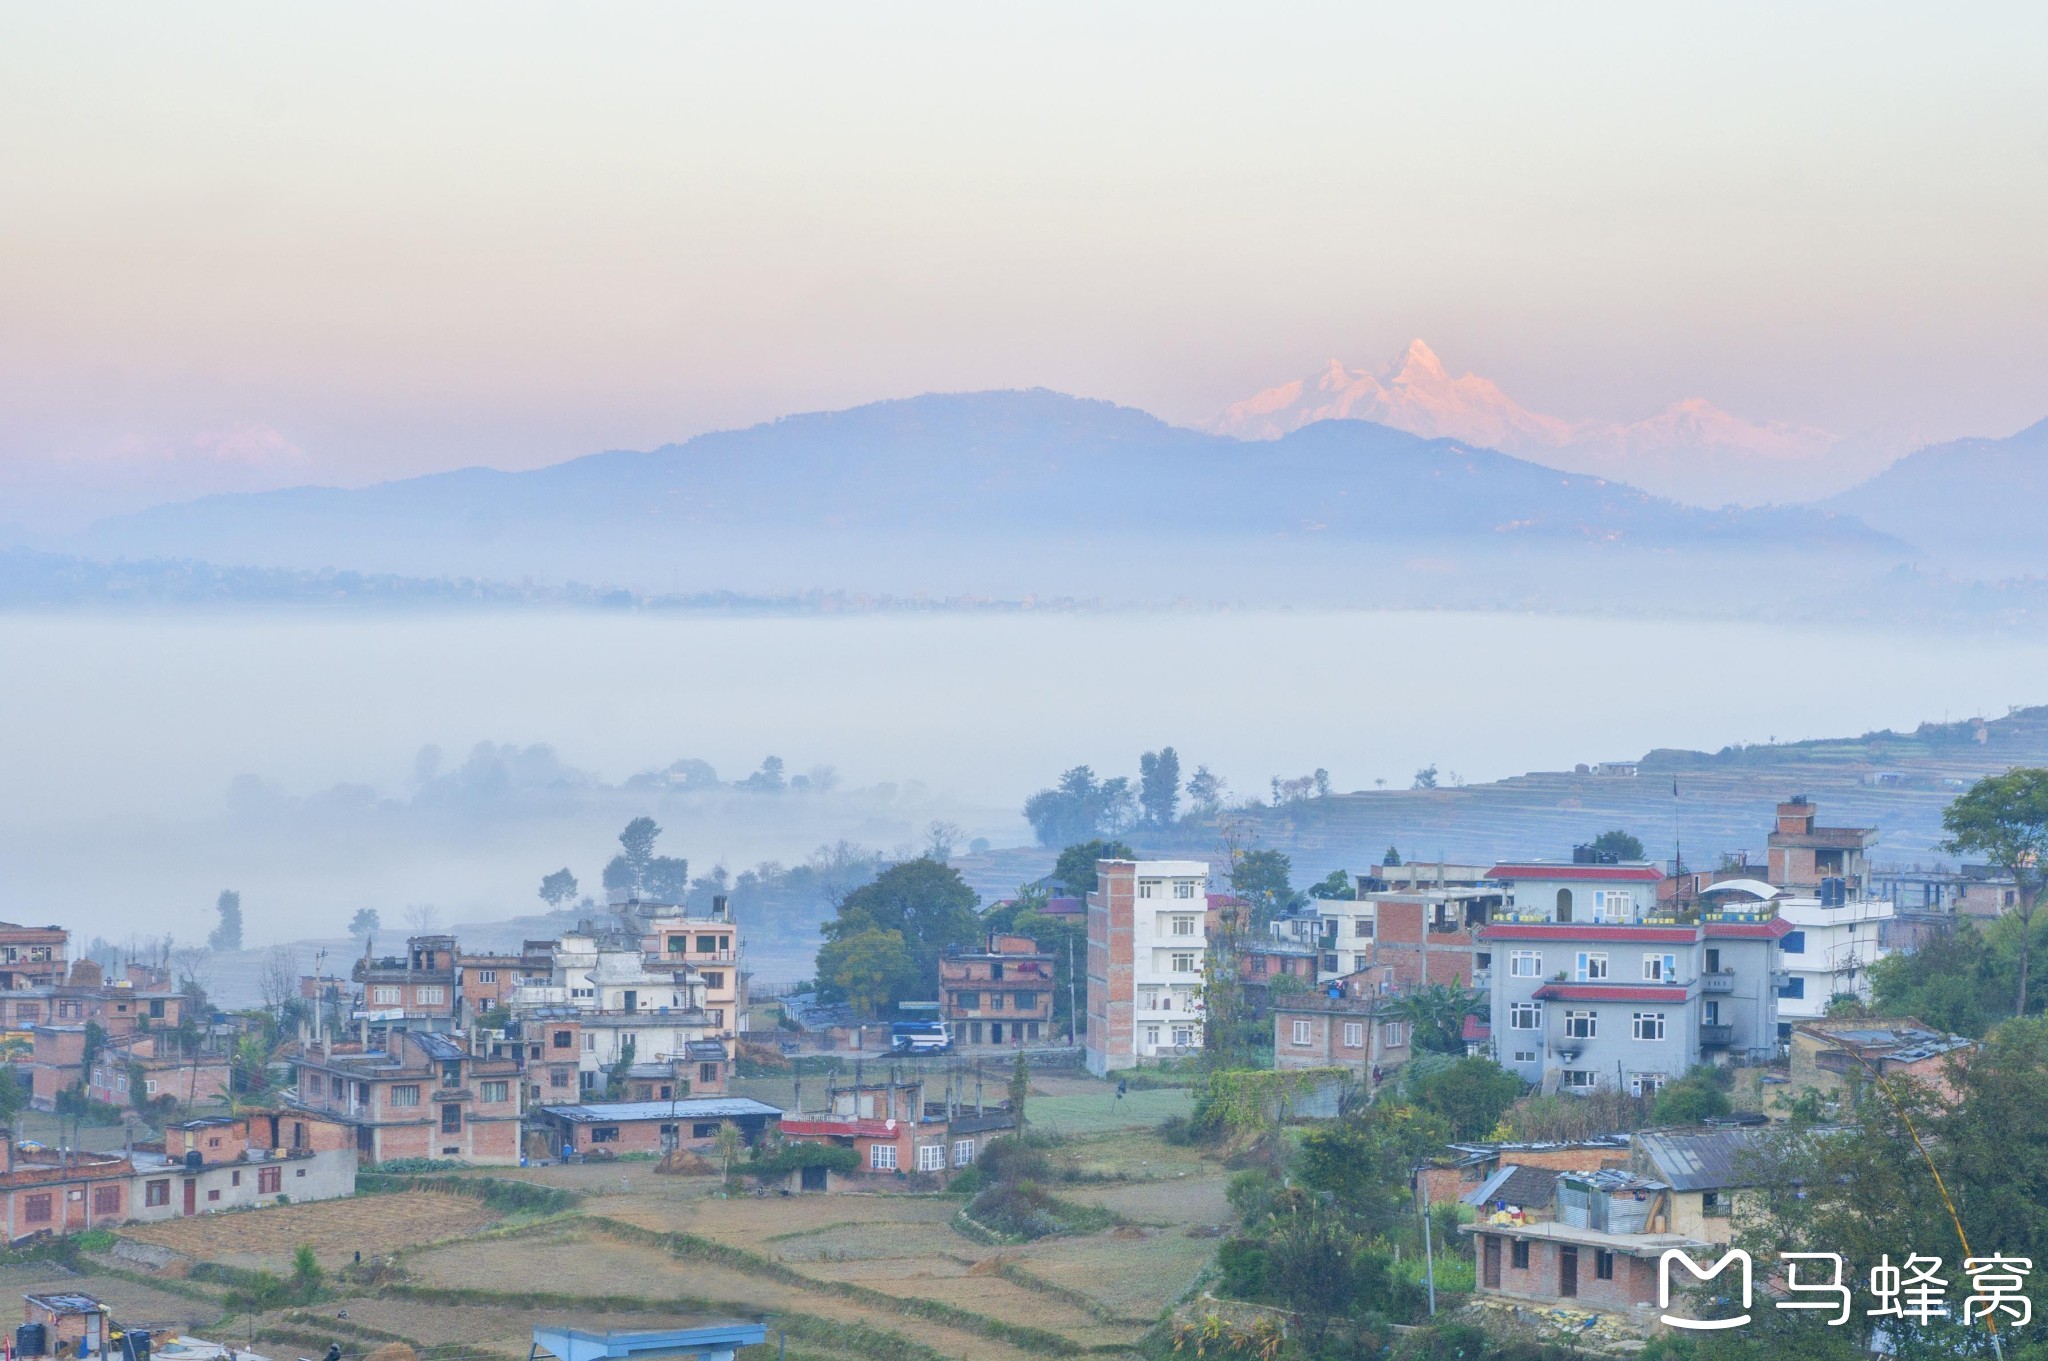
pixel 710 1342
pixel 63 1324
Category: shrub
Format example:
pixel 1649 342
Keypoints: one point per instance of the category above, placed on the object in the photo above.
pixel 1020 1209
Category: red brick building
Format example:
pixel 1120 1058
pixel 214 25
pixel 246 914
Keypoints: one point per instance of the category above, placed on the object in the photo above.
pixel 417 1094
pixel 419 990
pixel 1000 995
pixel 896 1132
pixel 32 956
pixel 161 1065
pixel 1353 1029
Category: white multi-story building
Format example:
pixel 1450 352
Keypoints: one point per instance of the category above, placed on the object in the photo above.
pixel 619 1004
pixel 1829 950
pixel 1148 944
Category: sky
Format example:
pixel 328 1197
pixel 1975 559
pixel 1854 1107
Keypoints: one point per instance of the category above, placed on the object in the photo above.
pixel 248 245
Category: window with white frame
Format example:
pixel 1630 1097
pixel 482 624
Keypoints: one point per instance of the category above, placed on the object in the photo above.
pixel 430 996
pixel 1646 1084
pixel 1592 967
pixel 1581 1025
pixel 1525 964
pixel 1148 888
pixel 1354 1034
pixel 931 1157
pixel 1660 968
pixel 1362 926
pixel 1357 963
pixel 486 975
pixel 1579 1080
pixel 1183 926
pixel 963 1152
pixel 383 997
pixel 1185 1036
pixel 1394 1034
pixel 1525 1016
pixel 1184 961
pixel 1614 904
pixel 1152 1035
pixel 1183 888
pixel 1649 1025
pixel 1301 1029
pixel 882 1157
pixel 1525 1056
pixel 406 1095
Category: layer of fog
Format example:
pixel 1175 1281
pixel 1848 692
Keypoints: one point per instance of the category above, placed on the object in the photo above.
pixel 146 763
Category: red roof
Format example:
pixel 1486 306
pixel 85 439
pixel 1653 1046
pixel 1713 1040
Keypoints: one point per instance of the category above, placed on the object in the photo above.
pixel 1770 930
pixel 1641 874
pixel 1649 935
pixel 1602 992
pixel 844 1129
pixel 1475 1030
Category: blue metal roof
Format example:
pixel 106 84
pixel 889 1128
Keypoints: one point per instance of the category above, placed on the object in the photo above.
pixel 573 1344
pixel 686 1108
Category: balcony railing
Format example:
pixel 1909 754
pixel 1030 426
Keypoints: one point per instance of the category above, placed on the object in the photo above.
pixel 1718 980
pixel 1716 1036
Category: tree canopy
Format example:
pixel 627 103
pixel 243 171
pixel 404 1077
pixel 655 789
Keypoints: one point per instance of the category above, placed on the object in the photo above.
pixel 558 888
pixel 1159 786
pixel 1470 1094
pixel 1261 879
pixel 637 869
pixel 925 905
pixel 1075 869
pixel 2004 818
pixel 1079 808
pixel 1619 844
pixel 227 935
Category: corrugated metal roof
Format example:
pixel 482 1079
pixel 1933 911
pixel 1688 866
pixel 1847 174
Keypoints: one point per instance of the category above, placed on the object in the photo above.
pixel 1517 1184
pixel 437 1046
pixel 690 1108
pixel 1702 1160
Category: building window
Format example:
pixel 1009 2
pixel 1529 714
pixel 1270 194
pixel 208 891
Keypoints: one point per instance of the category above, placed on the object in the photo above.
pixel 1592 967
pixel 604 1134
pixel 1525 964
pixel 1603 1264
pixel 1152 1035
pixel 704 1129
pixel 430 996
pixel 564 1039
pixel 1183 926
pixel 963 1152
pixel 1614 905
pixel 1794 943
pixel 1394 1034
pixel 1184 1036
pixel 1361 926
pixel 1581 1025
pixel 1518 1254
pixel 967 1001
pixel 269 1180
pixel 1023 1001
pixel 1183 888
pixel 451 1074
pixel 882 1157
pixel 486 975
pixel 1649 1025
pixel 1660 968
pixel 36 1209
pixel 707 1073
pixel 1525 1016
pixel 931 1157
pixel 1580 1080
pixel 1564 905
pixel 1525 1056
pixel 1301 1029
pixel 407 1095
pixel 156 1193
pixel 714 978
pixel 494 1091
pixel 995 1001
pixel 707 945
pixel 451 1119
pixel 1646 1084
pixel 1794 988
pixel 1354 1034
pixel 1148 888
pixel 384 997
pixel 1183 962
pixel 558 1077
pixel 106 1200
pixel 1712 1206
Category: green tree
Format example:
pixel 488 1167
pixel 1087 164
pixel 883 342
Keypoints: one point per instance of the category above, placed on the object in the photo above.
pixel 1438 1014
pixel 306 1272
pixel 2004 818
pixel 1471 1094
pixel 1425 778
pixel 1079 807
pixel 1318 1267
pixel 227 935
pixel 620 1072
pixel 1392 859
pixel 1205 793
pixel 868 970
pixel 927 904
pixel 363 926
pixel 637 843
pixel 1335 884
pixel 1159 786
pixel 1261 879
pixel 1963 981
pixel 1362 1160
pixel 1075 869
pixel 13 1098
pixel 666 879
pixel 1699 1095
pixel 558 888
pixel 1618 844
pixel 1020 1088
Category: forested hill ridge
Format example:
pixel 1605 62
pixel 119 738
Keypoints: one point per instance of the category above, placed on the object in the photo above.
pixel 1897 782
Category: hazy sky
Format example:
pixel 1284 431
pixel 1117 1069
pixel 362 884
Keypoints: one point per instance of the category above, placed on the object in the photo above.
pixel 258 242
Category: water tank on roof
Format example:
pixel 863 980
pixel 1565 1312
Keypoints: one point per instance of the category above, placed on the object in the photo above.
pixel 194 1160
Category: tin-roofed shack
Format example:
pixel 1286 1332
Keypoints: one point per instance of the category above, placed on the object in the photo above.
pixel 615 1127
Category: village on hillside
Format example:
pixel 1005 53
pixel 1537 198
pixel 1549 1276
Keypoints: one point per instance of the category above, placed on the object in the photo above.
pixel 1078 1118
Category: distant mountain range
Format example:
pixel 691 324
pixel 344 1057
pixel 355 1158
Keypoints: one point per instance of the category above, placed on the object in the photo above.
pixel 1014 494
pixel 1973 506
pixel 1691 451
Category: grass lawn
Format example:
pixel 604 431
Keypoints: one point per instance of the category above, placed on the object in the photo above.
pixel 1101 1111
